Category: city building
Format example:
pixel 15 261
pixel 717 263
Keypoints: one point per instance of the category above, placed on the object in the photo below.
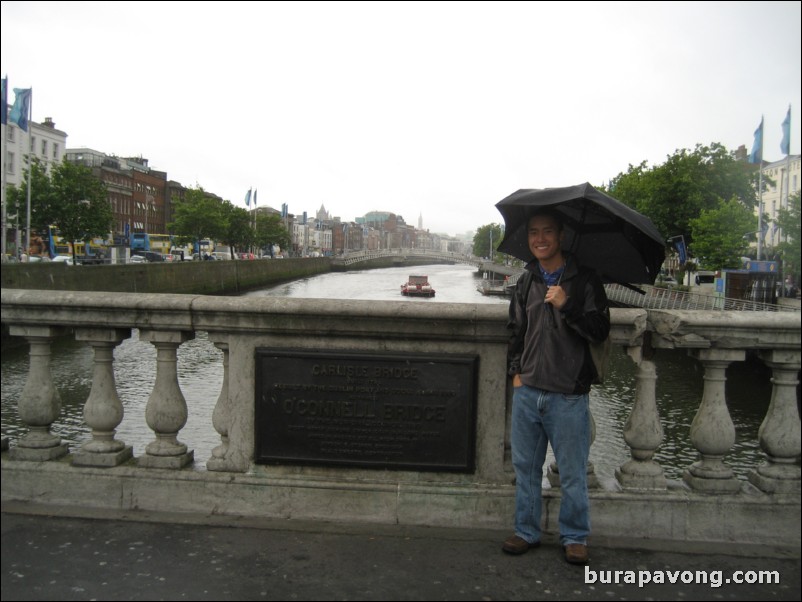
pixel 44 142
pixel 138 195
pixel 781 180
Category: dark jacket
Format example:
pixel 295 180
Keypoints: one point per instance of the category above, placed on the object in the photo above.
pixel 549 347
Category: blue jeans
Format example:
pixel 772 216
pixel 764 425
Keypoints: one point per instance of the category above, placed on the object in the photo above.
pixel 540 417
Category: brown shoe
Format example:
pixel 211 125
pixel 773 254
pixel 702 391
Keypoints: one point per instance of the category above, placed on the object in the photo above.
pixel 518 545
pixel 576 553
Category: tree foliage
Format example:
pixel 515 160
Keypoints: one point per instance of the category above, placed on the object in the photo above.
pixel 81 207
pixel 718 234
pixel 238 232
pixel 41 198
pixel 788 219
pixel 270 231
pixel 482 239
pixel 689 182
pixel 69 198
pixel 199 216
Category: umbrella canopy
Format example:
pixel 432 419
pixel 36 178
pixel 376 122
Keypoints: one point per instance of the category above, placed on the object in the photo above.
pixel 601 232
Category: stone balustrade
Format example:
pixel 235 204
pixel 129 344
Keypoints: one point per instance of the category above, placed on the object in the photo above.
pixel 710 504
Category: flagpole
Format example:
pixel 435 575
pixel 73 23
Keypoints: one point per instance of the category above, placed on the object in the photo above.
pixel 30 176
pixel 760 197
pixel 788 162
pixel 5 168
pixel 760 214
pixel 253 226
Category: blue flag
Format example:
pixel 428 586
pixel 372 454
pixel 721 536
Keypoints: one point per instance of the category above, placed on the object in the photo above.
pixel 21 109
pixel 254 197
pixel 248 198
pixel 785 144
pixel 756 156
pixel 679 245
pixel 4 114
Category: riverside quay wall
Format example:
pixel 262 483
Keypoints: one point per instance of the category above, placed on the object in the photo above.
pixel 196 277
pixel 389 412
pixel 190 277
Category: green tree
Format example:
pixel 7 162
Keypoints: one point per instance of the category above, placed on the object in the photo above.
pixel 689 182
pixel 270 231
pixel 41 199
pixel 198 216
pixel 718 234
pixel 482 239
pixel 80 204
pixel 70 198
pixel 788 219
pixel 239 232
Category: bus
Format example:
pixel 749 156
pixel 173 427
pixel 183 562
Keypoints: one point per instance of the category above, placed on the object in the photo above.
pixel 93 251
pixel 56 244
pixel 202 247
pixel 144 241
pixel 96 250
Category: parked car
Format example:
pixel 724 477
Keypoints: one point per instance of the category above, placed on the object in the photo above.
pixel 137 259
pixel 66 259
pixel 150 256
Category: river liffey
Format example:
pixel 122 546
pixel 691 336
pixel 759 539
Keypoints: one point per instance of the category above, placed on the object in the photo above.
pixel 200 371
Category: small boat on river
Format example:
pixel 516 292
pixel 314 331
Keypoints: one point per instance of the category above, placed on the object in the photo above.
pixel 417 286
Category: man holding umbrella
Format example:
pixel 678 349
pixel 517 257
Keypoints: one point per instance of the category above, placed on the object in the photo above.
pixel 558 307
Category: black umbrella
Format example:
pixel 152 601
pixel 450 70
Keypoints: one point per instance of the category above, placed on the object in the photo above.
pixel 601 232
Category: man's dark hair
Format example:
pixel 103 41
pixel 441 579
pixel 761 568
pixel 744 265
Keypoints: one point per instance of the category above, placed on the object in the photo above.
pixel 548 212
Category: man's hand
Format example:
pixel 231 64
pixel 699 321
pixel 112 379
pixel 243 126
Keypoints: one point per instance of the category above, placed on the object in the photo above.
pixel 516 381
pixel 556 296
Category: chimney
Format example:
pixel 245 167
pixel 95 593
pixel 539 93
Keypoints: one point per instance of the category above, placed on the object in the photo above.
pixel 49 123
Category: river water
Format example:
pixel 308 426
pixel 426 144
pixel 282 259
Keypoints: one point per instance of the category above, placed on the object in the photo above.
pixel 200 374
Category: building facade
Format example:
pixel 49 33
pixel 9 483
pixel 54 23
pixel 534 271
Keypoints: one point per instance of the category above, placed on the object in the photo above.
pixel 43 142
pixel 781 180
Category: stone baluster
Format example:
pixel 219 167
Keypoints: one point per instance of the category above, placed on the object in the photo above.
pixel 779 434
pixel 643 431
pixel 103 410
pixel 166 410
pixel 39 404
pixel 712 429
pixel 221 417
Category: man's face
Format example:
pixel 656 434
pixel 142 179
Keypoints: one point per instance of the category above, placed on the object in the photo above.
pixel 545 237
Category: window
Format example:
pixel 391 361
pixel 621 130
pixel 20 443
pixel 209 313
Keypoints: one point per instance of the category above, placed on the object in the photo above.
pixel 44 148
pixel 10 162
pixel 55 151
pixel 10 133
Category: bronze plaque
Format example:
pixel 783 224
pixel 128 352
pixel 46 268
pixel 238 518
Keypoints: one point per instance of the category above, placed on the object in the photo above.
pixel 372 410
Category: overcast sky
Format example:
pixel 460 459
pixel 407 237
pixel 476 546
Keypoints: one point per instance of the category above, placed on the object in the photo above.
pixel 439 109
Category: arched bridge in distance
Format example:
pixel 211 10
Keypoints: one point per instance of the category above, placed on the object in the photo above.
pixel 431 255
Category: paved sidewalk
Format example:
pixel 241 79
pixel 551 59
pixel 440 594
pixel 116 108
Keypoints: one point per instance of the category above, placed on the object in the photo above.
pixel 47 557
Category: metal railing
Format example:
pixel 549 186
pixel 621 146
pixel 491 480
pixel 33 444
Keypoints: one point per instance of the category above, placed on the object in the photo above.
pixel 666 298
